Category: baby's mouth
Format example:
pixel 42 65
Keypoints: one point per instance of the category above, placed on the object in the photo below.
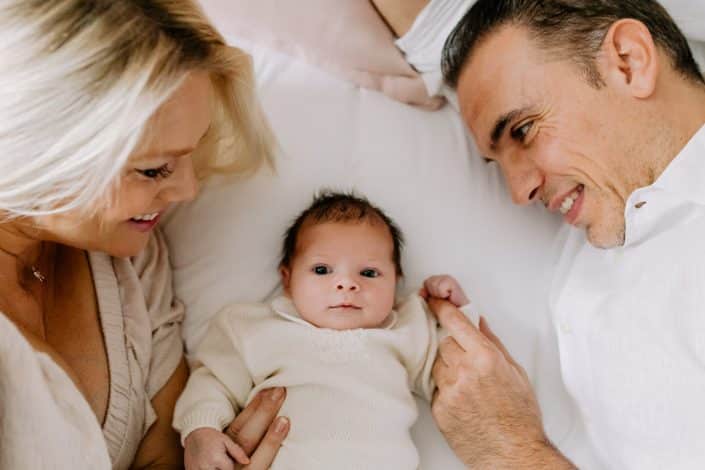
pixel 345 305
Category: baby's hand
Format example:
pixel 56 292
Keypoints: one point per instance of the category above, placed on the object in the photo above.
pixel 210 449
pixel 444 287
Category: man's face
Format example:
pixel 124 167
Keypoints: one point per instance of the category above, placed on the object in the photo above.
pixel 557 138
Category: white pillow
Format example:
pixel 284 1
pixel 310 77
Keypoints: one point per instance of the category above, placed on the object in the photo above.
pixel 346 37
pixel 689 15
pixel 421 168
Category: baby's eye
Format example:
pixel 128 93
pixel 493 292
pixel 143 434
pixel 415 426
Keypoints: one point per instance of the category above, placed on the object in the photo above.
pixel 321 270
pixel 369 273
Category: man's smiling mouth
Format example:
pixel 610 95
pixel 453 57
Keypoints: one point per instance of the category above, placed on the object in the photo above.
pixel 564 204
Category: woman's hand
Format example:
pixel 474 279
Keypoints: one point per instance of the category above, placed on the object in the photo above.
pixel 257 431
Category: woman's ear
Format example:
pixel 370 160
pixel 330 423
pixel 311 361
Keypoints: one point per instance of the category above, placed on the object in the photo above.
pixel 285 274
pixel 630 59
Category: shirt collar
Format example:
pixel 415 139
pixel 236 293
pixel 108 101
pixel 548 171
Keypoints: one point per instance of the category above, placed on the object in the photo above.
pixel 685 175
pixel 285 308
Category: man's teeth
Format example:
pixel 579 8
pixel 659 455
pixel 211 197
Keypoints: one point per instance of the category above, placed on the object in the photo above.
pixel 568 202
pixel 146 218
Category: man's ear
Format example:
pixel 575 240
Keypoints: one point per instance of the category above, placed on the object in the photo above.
pixel 630 58
pixel 285 274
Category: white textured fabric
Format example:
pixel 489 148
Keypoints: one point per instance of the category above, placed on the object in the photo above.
pixel 631 325
pixel 39 404
pixel 45 423
pixel 349 392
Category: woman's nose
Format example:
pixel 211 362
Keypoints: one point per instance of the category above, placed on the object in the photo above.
pixel 184 184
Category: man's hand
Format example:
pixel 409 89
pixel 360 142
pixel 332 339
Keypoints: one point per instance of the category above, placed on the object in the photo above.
pixel 257 431
pixel 484 404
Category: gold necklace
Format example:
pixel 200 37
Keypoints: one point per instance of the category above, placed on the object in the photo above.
pixel 38 275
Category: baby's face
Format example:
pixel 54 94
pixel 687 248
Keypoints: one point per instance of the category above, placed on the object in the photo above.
pixel 342 275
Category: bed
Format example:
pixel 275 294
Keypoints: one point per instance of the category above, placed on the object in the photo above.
pixel 419 166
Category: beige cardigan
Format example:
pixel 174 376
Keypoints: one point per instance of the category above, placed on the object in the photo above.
pixel 45 423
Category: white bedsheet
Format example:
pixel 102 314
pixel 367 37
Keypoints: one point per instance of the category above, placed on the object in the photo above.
pixel 423 170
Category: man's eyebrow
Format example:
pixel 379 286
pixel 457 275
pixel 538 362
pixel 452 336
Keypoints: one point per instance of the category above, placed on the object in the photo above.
pixel 501 124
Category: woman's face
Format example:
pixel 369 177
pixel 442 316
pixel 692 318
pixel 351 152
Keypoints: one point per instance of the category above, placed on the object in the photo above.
pixel 158 173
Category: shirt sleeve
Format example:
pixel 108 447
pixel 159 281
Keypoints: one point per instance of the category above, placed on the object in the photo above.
pixel 431 333
pixel 423 43
pixel 419 329
pixel 166 313
pixel 220 382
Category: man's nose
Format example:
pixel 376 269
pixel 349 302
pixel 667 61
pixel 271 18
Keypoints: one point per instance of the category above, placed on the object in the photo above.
pixel 524 182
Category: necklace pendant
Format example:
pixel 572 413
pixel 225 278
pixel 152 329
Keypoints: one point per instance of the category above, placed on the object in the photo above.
pixel 38 275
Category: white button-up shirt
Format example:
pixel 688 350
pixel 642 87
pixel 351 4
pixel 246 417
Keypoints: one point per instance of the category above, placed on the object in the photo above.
pixel 630 323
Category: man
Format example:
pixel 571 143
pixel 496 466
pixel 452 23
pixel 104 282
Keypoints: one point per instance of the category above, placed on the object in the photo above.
pixel 595 109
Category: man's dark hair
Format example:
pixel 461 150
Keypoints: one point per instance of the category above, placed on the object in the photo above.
pixel 331 206
pixel 573 29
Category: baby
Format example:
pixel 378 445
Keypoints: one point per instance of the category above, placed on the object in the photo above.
pixel 349 360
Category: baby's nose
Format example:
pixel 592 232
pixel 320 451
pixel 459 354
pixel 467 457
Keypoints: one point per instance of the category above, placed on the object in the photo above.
pixel 347 285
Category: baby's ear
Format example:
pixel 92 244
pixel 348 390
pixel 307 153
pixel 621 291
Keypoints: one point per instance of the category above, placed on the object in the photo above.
pixel 285 274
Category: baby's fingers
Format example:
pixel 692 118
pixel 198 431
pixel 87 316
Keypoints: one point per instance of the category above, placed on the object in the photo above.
pixel 458 297
pixel 236 452
pixel 450 289
pixel 434 287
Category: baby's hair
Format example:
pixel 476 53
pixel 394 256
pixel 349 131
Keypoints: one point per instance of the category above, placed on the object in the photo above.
pixel 331 206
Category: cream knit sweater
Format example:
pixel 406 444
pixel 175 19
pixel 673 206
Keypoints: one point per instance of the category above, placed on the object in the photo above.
pixel 349 393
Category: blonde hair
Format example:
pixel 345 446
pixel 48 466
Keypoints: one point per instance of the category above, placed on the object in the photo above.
pixel 79 81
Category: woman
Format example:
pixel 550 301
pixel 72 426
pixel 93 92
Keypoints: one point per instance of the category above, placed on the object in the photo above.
pixel 110 112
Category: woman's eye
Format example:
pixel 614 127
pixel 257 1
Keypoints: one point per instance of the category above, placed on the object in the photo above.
pixel 321 270
pixel 369 273
pixel 520 133
pixel 163 171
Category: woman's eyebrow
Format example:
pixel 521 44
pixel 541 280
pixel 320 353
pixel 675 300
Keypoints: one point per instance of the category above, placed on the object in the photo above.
pixel 165 153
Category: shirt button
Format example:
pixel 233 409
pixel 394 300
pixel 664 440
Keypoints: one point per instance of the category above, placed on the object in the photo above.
pixel 639 205
pixel 565 328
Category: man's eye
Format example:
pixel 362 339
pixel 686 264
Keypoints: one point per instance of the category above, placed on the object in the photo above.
pixel 321 270
pixel 163 171
pixel 520 133
pixel 369 273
